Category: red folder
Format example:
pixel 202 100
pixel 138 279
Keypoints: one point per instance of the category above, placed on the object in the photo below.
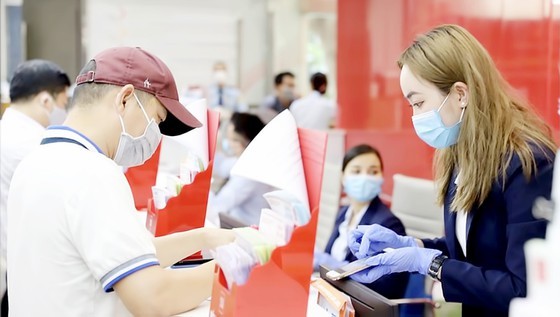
pixel 142 178
pixel 187 210
pixel 281 286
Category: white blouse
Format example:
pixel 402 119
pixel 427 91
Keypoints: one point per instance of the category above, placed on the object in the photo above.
pixel 340 245
pixel 461 226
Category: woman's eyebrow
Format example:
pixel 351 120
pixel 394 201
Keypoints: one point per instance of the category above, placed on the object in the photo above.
pixel 412 93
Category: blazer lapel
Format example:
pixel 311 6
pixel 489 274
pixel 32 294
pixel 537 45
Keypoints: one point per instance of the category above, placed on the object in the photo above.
pixel 450 218
pixel 369 215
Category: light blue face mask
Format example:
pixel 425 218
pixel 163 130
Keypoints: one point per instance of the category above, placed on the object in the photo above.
pixel 362 188
pixel 226 147
pixel 430 128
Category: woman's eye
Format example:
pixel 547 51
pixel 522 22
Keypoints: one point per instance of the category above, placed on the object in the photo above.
pixel 417 105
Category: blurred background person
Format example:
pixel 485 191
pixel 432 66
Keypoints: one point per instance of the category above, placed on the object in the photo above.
pixel 282 97
pixel 239 197
pixel 362 170
pixel 315 111
pixel 36 89
pixel 60 112
pixel 222 95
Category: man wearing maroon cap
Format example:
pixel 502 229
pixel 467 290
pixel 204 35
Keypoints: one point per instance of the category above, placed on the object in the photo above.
pixel 73 235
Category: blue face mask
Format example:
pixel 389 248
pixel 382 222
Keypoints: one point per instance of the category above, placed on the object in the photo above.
pixel 226 147
pixel 430 128
pixel 362 188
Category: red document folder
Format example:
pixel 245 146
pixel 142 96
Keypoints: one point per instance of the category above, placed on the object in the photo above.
pixel 185 211
pixel 281 286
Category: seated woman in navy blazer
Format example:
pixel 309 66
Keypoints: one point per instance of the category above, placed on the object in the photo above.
pixel 362 169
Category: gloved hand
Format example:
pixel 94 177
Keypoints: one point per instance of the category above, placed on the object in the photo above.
pixel 325 259
pixel 408 259
pixel 366 241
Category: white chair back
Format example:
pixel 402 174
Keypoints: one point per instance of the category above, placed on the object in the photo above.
pixel 414 203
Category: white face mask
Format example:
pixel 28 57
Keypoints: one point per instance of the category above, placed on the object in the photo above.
pixel 220 76
pixel 57 116
pixel 134 151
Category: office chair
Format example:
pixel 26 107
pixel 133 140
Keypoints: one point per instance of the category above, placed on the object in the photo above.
pixel 414 202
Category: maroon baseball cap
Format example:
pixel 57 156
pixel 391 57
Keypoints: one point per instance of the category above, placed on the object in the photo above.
pixel 133 65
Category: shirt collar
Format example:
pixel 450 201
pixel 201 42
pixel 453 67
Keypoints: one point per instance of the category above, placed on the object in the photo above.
pixel 30 123
pixel 359 215
pixel 315 93
pixel 61 131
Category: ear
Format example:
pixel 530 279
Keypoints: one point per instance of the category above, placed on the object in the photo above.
pixel 124 94
pixel 462 91
pixel 44 98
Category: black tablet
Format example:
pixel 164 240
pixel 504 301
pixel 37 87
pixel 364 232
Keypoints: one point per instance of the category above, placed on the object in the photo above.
pixel 187 263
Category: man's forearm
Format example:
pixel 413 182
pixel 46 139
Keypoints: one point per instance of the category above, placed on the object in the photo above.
pixel 176 246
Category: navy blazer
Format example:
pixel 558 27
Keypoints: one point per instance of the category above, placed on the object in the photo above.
pixel 391 286
pixel 493 272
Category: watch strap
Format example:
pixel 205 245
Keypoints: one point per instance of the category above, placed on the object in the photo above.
pixel 435 266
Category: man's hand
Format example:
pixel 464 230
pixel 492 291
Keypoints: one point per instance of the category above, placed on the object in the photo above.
pixel 216 237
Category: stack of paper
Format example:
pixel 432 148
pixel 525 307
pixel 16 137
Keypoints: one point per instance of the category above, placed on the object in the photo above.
pixel 188 152
pixel 275 227
pixel 254 243
pixel 288 206
pixel 235 263
pixel 274 158
pixel 238 258
pixel 286 212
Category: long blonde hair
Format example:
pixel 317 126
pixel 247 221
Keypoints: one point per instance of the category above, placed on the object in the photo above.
pixel 497 122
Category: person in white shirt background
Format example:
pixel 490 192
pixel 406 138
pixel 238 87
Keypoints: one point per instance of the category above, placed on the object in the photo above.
pixel 37 87
pixel 75 246
pixel 315 111
pixel 61 110
pixel 221 95
pixel 282 97
pixel 239 197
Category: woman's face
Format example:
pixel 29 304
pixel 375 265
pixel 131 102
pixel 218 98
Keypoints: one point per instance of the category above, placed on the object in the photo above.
pixel 365 164
pixel 424 96
pixel 236 141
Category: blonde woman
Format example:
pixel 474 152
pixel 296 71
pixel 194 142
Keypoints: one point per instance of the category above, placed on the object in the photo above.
pixel 494 157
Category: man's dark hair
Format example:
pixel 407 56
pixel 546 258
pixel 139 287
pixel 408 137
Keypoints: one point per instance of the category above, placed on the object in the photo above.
pixel 246 124
pixel 278 79
pixel 37 75
pixel 319 82
pixel 359 150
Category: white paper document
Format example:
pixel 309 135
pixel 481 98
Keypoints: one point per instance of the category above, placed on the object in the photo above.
pixel 196 140
pixel 274 157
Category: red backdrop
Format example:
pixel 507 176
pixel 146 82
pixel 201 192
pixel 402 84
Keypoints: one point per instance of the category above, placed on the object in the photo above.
pixel 522 36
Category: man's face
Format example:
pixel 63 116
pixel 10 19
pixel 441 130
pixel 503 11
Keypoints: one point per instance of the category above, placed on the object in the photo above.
pixel 285 90
pixel 135 117
pixel 61 99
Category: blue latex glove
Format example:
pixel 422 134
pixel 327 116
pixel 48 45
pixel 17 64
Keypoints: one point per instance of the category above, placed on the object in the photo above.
pixel 366 241
pixel 408 259
pixel 327 260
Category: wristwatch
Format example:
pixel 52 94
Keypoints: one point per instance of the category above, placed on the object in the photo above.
pixel 435 267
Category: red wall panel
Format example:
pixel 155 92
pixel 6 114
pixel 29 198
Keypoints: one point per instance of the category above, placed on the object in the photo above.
pixel 522 36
